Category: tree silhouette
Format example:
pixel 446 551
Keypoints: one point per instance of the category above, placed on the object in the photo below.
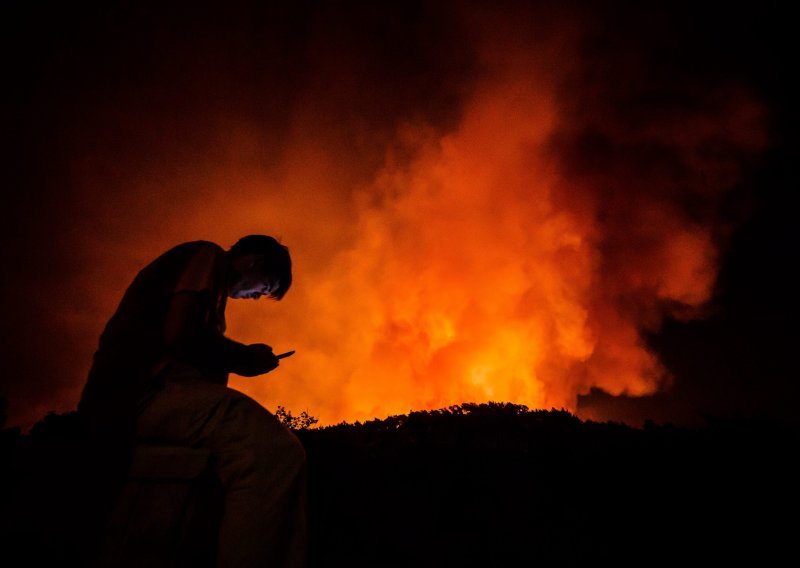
pixel 302 422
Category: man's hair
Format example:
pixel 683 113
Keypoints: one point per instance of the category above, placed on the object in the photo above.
pixel 274 257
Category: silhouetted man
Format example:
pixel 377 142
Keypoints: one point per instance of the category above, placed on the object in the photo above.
pixel 160 375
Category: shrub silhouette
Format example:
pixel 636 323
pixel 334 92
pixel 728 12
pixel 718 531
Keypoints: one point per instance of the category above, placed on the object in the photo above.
pixel 498 484
pixel 302 422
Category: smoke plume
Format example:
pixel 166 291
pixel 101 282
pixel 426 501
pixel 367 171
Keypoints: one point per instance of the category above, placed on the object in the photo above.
pixel 481 204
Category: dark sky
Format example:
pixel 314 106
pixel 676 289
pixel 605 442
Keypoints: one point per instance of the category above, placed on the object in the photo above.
pixel 669 129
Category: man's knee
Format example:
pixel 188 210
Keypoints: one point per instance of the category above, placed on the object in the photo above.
pixel 270 442
pixel 296 452
pixel 283 442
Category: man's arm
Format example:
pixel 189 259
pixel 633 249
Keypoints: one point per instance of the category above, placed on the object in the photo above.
pixel 189 337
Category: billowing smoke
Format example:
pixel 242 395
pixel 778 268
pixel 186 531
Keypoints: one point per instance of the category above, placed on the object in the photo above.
pixel 522 255
pixel 501 219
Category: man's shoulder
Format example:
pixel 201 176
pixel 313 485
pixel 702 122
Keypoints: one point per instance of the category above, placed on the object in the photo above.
pixel 200 266
pixel 189 252
pixel 194 257
pixel 199 246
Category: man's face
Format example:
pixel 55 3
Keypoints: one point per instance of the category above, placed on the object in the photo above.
pixel 255 281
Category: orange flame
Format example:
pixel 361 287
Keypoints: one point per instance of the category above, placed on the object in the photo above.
pixel 478 270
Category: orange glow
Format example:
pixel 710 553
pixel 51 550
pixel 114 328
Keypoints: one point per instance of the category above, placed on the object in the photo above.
pixel 472 265
pixel 473 275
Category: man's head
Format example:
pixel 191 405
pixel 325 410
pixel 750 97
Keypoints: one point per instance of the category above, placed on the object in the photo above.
pixel 261 266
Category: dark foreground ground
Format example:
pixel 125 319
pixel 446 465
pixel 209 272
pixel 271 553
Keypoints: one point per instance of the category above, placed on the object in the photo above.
pixel 498 485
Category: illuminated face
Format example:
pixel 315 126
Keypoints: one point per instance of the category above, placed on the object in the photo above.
pixel 254 281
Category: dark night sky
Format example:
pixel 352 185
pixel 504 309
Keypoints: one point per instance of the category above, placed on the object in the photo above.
pixel 741 359
pixel 111 113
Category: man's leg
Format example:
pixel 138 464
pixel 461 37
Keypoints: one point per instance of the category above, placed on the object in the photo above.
pixel 260 462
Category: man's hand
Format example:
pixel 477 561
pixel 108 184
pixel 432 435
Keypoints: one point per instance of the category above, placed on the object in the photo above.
pixel 260 360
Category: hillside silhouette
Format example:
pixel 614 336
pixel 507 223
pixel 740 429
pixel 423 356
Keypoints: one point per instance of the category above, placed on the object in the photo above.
pixel 484 485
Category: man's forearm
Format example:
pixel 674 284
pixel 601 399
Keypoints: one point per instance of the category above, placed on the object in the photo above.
pixel 214 351
pixel 189 338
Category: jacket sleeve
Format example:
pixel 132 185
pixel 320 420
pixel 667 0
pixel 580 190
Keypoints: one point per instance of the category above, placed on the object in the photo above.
pixel 189 337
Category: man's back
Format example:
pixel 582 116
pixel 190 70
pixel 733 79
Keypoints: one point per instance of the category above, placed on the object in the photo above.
pixel 132 348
